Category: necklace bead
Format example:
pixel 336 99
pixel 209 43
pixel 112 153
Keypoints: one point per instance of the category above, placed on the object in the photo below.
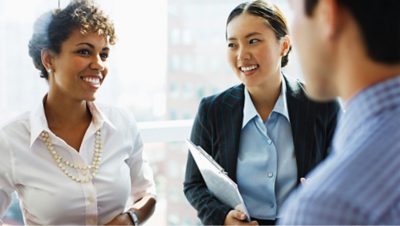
pixel 88 171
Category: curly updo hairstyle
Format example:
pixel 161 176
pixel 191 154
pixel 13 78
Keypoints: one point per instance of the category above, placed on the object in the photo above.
pixel 54 27
pixel 272 15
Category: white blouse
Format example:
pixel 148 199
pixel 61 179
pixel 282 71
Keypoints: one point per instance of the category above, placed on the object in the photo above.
pixel 47 196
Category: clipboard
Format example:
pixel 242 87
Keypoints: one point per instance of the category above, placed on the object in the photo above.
pixel 217 180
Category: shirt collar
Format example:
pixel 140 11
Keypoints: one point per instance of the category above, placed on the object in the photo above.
pixel 281 104
pixel 98 117
pixel 38 121
pixel 249 110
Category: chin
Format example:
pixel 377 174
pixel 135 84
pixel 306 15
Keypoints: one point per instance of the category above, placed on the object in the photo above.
pixel 92 98
pixel 249 82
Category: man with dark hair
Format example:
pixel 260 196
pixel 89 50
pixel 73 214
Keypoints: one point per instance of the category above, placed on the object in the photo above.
pixel 351 49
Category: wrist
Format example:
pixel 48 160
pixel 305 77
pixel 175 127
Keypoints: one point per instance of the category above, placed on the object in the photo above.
pixel 133 216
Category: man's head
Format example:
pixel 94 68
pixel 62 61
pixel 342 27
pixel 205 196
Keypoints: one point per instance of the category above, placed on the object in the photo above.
pixel 328 32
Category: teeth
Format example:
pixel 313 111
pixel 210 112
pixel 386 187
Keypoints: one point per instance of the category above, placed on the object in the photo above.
pixel 93 80
pixel 245 69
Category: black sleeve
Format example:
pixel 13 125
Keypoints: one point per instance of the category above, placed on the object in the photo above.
pixel 210 210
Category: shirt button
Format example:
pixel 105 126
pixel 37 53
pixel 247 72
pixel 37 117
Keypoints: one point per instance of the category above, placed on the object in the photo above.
pixel 270 174
pixel 269 141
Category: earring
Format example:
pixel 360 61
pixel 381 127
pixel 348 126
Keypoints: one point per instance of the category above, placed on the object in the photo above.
pixel 49 71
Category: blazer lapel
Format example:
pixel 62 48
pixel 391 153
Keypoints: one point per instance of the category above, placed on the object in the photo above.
pixel 232 124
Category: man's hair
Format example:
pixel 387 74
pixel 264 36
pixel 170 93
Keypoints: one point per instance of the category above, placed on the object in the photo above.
pixel 379 22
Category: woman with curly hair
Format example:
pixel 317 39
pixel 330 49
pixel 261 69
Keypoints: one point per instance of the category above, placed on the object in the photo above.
pixel 70 160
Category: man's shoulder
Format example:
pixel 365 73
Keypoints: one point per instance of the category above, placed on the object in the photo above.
pixel 354 180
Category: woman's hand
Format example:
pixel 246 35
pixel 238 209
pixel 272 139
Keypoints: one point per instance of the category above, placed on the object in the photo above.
pixel 304 180
pixel 144 208
pixel 236 217
pixel 122 219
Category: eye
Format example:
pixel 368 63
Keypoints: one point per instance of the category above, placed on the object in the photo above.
pixel 254 41
pixel 83 52
pixel 104 56
pixel 231 45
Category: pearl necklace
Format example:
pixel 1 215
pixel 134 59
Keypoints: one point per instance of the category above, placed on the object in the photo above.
pixel 88 171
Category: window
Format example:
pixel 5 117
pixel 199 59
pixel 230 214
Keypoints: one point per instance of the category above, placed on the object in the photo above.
pixel 169 54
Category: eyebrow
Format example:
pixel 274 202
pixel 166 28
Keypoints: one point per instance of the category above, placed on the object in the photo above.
pixel 91 46
pixel 247 36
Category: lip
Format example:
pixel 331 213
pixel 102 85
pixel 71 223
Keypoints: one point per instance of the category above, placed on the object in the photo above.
pixel 93 81
pixel 248 69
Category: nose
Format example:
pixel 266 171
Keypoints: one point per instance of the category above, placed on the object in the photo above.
pixel 98 64
pixel 243 54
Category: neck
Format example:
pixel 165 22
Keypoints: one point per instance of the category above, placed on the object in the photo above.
pixel 65 113
pixel 264 97
pixel 357 75
pixel 355 70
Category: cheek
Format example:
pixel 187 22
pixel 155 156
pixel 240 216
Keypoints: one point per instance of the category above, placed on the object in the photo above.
pixel 265 56
pixel 80 64
pixel 77 64
pixel 105 72
pixel 230 56
pixel 301 42
pixel 295 28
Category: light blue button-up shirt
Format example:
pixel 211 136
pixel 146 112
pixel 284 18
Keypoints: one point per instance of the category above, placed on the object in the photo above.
pixel 266 168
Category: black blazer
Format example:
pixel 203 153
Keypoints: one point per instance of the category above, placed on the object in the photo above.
pixel 217 128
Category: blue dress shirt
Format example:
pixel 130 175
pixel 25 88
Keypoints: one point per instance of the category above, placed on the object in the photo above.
pixel 266 168
pixel 358 184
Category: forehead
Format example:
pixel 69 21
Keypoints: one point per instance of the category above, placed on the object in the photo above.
pixel 245 24
pixel 93 38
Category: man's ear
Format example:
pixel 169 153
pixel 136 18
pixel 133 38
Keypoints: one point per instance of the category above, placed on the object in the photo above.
pixel 47 58
pixel 329 18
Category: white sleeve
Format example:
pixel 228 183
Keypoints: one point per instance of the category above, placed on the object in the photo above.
pixel 141 172
pixel 6 176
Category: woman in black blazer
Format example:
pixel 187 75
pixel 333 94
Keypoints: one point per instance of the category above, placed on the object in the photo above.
pixel 265 128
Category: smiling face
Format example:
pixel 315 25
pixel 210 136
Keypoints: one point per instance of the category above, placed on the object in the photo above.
pixel 254 52
pixel 80 68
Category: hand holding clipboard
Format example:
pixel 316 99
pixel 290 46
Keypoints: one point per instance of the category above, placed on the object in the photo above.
pixel 217 180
